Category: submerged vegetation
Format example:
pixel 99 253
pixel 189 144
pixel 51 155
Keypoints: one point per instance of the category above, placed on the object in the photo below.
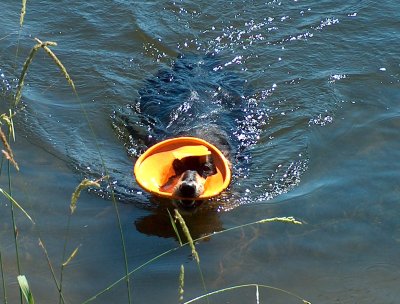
pixel 57 271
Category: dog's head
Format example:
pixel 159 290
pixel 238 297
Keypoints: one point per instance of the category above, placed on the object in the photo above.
pixel 191 173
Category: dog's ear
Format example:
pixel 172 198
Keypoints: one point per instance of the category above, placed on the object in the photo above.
pixel 179 166
pixel 208 168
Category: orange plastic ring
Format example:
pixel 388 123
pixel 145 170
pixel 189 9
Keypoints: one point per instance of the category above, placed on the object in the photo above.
pixel 154 167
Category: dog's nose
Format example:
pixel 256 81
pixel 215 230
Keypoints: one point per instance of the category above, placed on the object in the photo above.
pixel 187 190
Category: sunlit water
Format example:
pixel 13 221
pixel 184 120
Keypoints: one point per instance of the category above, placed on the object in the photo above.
pixel 308 94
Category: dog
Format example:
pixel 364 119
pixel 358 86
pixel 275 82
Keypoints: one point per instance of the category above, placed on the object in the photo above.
pixel 188 98
pixel 192 172
pixel 190 176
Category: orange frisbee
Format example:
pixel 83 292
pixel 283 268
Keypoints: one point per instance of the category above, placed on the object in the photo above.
pixel 154 167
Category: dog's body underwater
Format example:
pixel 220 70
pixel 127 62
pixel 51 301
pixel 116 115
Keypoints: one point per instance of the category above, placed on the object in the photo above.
pixel 191 98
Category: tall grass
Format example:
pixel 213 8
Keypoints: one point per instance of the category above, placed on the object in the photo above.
pixel 25 289
pixel 2 279
pixel 195 255
pixel 85 183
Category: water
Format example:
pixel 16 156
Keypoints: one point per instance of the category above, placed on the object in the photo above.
pixel 308 92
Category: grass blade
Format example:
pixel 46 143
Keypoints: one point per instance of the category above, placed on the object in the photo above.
pixel 181 283
pixel 24 71
pixel 186 232
pixel 70 258
pixel 3 280
pixel 23 12
pixel 257 295
pixel 8 196
pixel 8 153
pixel 84 184
pixel 175 228
pixel 41 244
pixel 61 66
pixel 195 255
pixel 26 291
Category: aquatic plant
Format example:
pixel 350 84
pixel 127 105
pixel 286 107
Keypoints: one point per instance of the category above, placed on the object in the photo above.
pixel 23 12
pixel 83 184
pixel 45 45
pixel 26 291
pixel 181 283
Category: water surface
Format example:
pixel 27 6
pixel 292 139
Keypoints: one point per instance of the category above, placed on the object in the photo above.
pixel 308 92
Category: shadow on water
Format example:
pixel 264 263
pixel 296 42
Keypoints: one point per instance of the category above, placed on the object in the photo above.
pixel 158 222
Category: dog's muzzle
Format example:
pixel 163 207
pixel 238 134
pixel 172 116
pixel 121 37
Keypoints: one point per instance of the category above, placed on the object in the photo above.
pixel 188 189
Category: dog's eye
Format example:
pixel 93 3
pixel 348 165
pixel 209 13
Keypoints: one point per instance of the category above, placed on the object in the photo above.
pixel 207 168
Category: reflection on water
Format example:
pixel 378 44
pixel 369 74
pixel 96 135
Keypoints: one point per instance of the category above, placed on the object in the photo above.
pixel 200 223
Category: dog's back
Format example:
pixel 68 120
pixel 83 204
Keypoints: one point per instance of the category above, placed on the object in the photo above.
pixel 192 98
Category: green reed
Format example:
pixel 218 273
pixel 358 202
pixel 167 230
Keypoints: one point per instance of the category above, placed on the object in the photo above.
pixel 50 265
pixel 72 207
pixel 181 283
pixel 45 46
pixel 26 291
pixel 14 224
pixel 2 279
pixel 7 153
pixel 23 12
pixel 195 255
pixel 15 203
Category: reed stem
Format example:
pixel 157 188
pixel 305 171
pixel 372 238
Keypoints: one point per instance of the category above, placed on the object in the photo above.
pixel 3 280
pixel 195 255
pixel 14 225
pixel 41 244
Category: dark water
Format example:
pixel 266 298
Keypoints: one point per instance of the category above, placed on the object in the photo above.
pixel 308 93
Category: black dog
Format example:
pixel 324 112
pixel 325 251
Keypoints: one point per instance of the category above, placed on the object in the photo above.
pixel 190 176
pixel 190 98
